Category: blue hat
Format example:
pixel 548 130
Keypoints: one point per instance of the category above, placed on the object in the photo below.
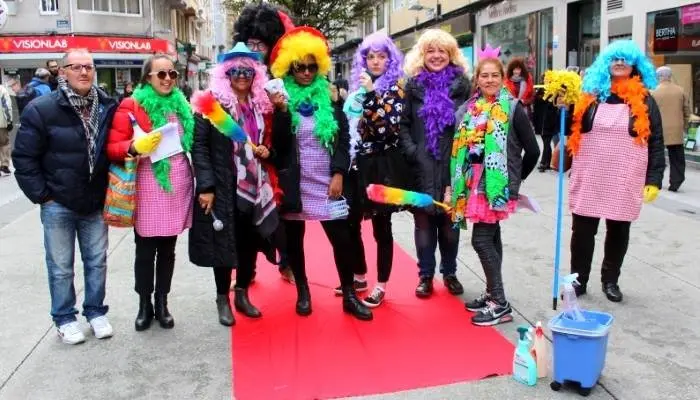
pixel 239 50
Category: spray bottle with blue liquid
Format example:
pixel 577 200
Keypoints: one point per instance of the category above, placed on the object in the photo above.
pixel 524 365
pixel 571 308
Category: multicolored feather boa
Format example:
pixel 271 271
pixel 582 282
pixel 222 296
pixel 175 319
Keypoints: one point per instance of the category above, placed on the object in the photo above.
pixel 313 99
pixel 633 92
pixel 482 134
pixel 158 107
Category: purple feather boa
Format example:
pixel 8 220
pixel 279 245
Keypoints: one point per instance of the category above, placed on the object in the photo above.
pixel 438 108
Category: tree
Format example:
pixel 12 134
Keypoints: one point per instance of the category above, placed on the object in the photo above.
pixel 332 17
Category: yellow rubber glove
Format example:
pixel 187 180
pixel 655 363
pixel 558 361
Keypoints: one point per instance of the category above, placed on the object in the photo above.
pixel 146 144
pixel 650 193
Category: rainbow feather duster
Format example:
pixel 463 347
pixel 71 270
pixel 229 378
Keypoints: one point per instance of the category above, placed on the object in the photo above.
pixel 205 103
pixel 399 197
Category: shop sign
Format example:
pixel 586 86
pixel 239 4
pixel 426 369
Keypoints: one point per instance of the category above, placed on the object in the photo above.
pixel 40 44
pixel 689 43
pixel 666 32
pixel 690 14
pixel 502 9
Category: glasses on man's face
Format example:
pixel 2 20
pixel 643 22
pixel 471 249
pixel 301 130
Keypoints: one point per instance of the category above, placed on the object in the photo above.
pixel 257 45
pixel 245 72
pixel 79 67
pixel 301 68
pixel 162 74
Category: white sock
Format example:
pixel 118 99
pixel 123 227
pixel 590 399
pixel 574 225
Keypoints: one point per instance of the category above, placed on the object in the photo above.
pixel 360 278
pixel 381 286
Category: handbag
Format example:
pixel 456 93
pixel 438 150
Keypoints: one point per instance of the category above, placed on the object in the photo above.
pixel 554 164
pixel 120 201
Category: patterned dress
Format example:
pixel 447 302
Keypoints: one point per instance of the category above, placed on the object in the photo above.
pixel 314 164
pixel 609 171
pixel 159 213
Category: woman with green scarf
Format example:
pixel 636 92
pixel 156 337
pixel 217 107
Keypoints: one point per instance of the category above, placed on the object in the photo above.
pixel 493 151
pixel 164 189
pixel 312 160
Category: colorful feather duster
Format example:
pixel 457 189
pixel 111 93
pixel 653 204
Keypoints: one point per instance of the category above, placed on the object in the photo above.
pixel 205 103
pixel 399 197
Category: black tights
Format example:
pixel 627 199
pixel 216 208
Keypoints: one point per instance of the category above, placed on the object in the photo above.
pixel 583 234
pixel 486 240
pixel 222 277
pixel 158 250
pixel 381 226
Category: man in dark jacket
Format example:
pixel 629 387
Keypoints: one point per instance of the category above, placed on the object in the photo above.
pixel 61 164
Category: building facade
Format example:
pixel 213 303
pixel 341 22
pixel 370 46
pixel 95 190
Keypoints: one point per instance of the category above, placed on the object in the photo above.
pixel 121 34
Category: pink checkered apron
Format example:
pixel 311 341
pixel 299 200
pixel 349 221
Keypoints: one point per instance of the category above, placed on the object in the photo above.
pixel 609 171
pixel 159 213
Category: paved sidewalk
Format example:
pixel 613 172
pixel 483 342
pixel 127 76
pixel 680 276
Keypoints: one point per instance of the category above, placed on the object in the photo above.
pixel 653 350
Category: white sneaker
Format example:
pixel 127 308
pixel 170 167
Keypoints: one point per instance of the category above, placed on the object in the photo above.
pixel 101 327
pixel 71 333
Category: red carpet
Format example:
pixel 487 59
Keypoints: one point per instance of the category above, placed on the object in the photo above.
pixel 411 343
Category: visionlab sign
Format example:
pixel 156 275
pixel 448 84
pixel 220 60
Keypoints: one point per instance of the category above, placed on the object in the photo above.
pixel 53 44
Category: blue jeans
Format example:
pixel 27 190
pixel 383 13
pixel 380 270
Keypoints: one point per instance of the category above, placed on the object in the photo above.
pixel 61 226
pixel 431 231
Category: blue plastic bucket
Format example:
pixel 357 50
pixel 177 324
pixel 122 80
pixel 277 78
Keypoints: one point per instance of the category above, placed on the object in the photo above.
pixel 579 347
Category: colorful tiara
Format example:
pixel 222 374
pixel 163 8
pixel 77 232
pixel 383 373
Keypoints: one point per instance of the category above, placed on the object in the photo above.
pixel 489 52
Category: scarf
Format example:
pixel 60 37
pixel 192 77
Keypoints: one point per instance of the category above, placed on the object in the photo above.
pixel 157 108
pixel 482 134
pixel 315 100
pixel 438 108
pixel 633 92
pixel 87 109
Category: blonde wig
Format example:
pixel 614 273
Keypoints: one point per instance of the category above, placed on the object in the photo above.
pixel 415 59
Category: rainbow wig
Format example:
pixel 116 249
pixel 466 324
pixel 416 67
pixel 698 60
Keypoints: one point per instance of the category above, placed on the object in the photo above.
pixel 221 85
pixel 377 42
pixel 295 45
pixel 433 37
pixel 597 79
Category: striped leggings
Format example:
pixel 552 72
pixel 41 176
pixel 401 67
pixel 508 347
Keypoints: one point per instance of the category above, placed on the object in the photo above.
pixel 486 240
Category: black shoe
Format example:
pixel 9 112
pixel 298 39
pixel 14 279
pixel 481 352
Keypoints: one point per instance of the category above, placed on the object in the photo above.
pixel 162 314
pixel 494 313
pixel 478 304
pixel 303 299
pixel 352 305
pixel 243 305
pixel 5 170
pixel 145 315
pixel 612 292
pixel 453 286
pixel 543 168
pixel 375 298
pixel 223 307
pixel 672 188
pixel 359 287
pixel 425 288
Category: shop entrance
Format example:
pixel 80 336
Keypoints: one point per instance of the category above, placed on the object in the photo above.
pixel 583 33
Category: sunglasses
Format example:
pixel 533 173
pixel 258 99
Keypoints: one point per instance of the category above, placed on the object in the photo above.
pixel 162 74
pixel 300 68
pixel 620 60
pixel 245 72
pixel 79 67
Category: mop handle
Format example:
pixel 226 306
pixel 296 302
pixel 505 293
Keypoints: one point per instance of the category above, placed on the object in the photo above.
pixel 560 205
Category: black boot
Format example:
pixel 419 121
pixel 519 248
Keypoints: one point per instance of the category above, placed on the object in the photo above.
pixel 224 308
pixel 303 299
pixel 161 312
pixel 145 315
pixel 352 305
pixel 612 292
pixel 243 305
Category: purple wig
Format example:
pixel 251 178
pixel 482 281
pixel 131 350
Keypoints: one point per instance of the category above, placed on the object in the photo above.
pixel 221 85
pixel 377 42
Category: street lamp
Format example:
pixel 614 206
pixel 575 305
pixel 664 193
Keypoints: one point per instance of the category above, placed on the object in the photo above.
pixel 417 7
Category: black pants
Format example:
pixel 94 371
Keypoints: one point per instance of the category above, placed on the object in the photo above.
pixel 676 159
pixel 486 240
pixel 248 242
pixel 338 234
pixel 546 159
pixel 149 250
pixel 222 277
pixel 381 226
pixel 583 234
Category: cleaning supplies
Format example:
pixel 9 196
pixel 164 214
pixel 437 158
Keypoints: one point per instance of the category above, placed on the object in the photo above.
pixel 540 350
pixel 571 307
pixel 524 365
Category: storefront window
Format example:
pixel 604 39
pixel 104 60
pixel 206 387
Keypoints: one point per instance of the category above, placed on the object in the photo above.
pixel 673 39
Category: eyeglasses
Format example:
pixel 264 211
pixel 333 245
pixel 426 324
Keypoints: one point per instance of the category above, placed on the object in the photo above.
pixel 300 68
pixel 256 45
pixel 620 60
pixel 79 67
pixel 245 72
pixel 162 74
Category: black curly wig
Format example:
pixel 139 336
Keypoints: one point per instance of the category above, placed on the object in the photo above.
pixel 259 21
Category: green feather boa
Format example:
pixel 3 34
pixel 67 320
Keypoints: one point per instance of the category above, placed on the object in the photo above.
pixel 158 107
pixel 318 94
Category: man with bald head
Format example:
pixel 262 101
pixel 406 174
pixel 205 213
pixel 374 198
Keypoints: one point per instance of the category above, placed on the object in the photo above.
pixel 60 163
pixel 675 114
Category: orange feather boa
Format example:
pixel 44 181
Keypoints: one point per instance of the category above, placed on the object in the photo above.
pixel 633 93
